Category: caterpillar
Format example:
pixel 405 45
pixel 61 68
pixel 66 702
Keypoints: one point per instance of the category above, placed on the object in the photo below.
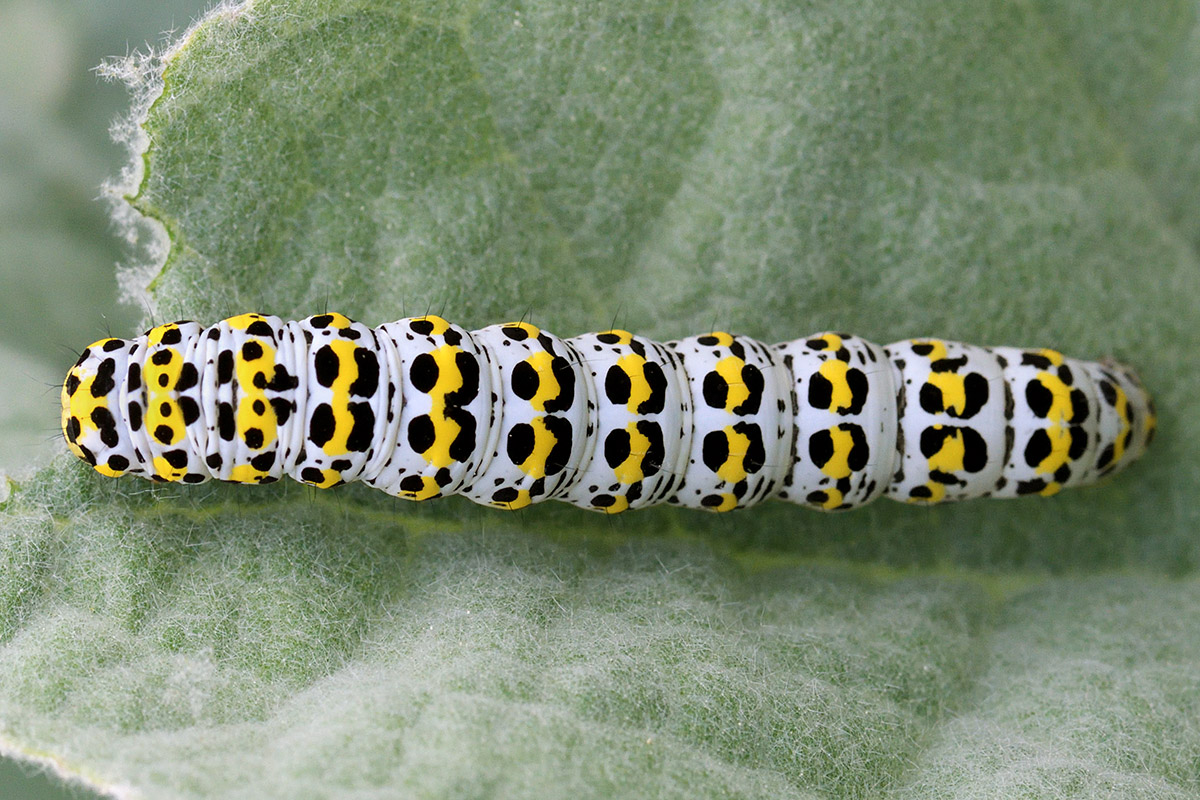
pixel 512 415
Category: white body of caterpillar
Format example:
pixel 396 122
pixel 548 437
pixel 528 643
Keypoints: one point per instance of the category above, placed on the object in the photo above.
pixel 511 415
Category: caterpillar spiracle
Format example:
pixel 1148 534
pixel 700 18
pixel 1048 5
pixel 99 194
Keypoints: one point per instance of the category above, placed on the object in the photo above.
pixel 512 415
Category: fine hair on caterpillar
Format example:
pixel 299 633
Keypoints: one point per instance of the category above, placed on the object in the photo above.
pixel 511 415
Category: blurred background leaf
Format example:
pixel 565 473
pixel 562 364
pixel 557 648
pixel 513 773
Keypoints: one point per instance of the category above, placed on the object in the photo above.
pixel 58 250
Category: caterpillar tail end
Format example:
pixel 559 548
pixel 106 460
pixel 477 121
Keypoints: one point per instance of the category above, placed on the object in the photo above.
pixel 94 425
pixel 1126 398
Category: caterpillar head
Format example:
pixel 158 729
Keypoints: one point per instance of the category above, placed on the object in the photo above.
pixel 94 425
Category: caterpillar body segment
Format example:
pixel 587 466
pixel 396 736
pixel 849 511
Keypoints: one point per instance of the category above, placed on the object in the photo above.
pixel 643 425
pixel 512 415
pixel 845 394
pixel 741 441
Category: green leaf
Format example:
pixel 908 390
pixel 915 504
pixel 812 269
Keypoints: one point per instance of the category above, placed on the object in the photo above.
pixel 1017 173
pixel 56 247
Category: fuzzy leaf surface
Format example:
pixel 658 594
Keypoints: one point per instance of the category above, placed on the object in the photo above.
pixel 1001 173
